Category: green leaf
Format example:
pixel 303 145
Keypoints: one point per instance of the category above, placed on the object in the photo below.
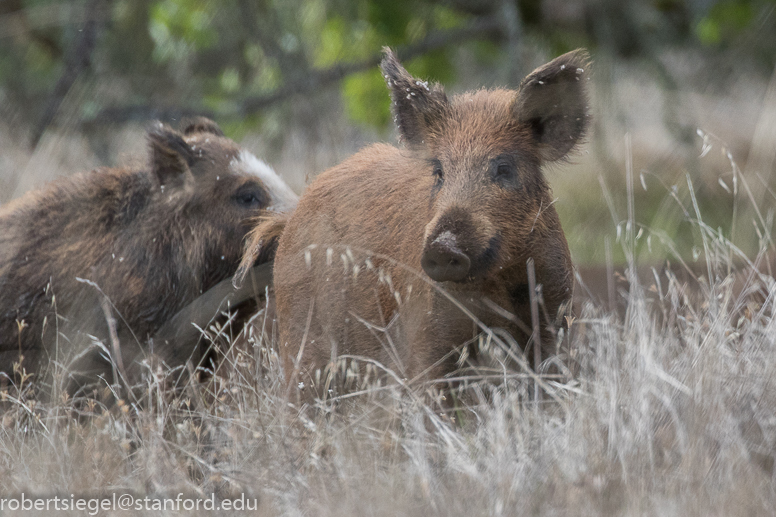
pixel 707 31
pixel 725 21
pixel 180 27
pixel 230 80
pixel 366 99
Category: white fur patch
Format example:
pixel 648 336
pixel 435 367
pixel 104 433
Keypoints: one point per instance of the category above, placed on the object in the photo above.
pixel 282 197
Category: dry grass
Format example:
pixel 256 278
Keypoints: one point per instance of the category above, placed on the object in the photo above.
pixel 666 409
pixel 669 412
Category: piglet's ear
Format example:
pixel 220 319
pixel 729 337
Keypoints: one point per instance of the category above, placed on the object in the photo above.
pixel 200 125
pixel 171 156
pixel 419 108
pixel 552 101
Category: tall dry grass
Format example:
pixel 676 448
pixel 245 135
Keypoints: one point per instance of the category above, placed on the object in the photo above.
pixel 666 408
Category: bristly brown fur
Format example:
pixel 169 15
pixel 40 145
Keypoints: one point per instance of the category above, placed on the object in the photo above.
pixel 148 240
pixel 462 207
pixel 261 243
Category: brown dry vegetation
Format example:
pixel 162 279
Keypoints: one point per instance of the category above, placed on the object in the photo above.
pixel 668 411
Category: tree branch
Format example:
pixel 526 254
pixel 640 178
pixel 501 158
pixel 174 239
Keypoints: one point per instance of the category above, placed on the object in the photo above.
pixel 78 59
pixel 309 82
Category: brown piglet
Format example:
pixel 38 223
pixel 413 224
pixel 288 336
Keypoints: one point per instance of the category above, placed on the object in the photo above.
pixel 402 255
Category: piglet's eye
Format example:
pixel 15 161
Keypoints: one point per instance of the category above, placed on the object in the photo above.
pixel 504 170
pixel 250 198
pixel 437 172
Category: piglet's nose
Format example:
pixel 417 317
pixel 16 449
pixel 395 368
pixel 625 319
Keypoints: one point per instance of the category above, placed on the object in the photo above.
pixel 444 261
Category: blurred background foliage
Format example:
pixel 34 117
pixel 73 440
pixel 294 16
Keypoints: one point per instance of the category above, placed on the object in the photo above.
pixel 235 58
pixel 269 70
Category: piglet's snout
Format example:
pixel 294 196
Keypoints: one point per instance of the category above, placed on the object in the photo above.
pixel 444 261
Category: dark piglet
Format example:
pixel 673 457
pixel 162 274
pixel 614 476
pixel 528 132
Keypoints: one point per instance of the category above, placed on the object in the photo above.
pixel 131 245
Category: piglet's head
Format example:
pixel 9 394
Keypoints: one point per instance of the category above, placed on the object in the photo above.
pixel 483 153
